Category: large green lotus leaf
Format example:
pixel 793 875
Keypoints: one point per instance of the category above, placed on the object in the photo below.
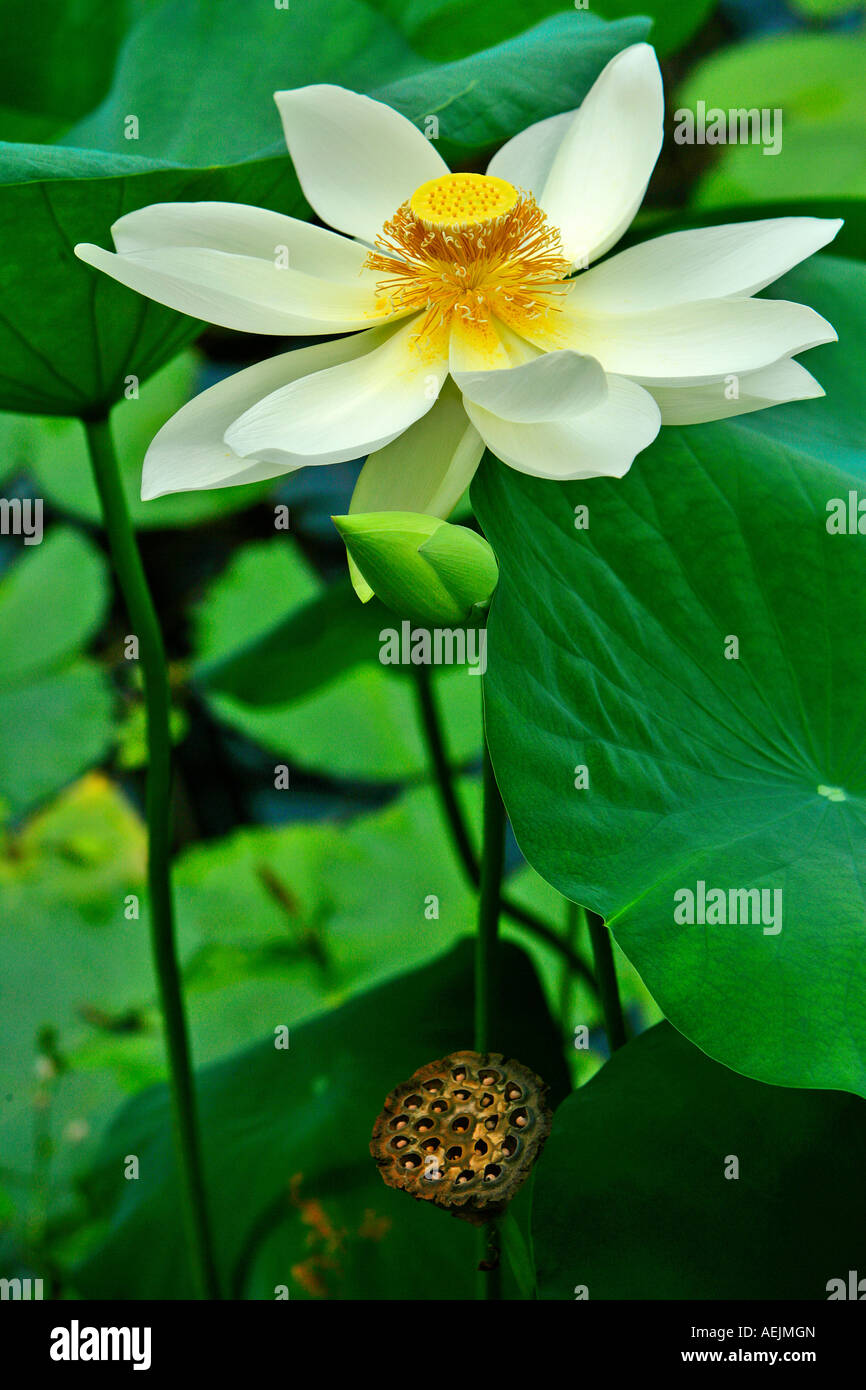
pixel 272 1115
pixel 485 98
pixel 55 706
pixel 449 29
pixel 56 62
pixel 607 650
pixel 54 451
pixel 815 80
pixel 69 337
pixel 637 1194
pixel 294 666
pixel 162 73
pixel 826 432
pixel 481 97
pixel 673 25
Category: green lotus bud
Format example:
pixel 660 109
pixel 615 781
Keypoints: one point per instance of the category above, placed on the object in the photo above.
pixel 419 566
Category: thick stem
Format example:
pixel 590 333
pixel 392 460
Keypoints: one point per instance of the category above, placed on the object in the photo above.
pixel 490 1267
pixel 573 918
pixel 133 585
pixel 486 946
pixel 459 831
pixel 608 989
pixel 432 725
pixel 487 981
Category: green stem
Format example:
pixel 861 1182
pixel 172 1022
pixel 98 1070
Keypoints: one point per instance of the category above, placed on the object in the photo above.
pixel 487 980
pixel 486 944
pixel 573 917
pixel 432 725
pixel 608 989
pixel 490 1246
pixel 459 831
pixel 133 585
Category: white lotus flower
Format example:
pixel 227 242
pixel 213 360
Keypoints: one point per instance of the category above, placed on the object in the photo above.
pixel 467 324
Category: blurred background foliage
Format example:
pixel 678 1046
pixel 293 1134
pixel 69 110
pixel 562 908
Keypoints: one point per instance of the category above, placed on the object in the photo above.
pixel 302 907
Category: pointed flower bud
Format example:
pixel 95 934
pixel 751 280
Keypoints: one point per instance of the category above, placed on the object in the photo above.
pixel 419 566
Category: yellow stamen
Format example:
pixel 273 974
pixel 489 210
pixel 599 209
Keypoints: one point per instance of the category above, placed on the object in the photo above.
pixel 471 246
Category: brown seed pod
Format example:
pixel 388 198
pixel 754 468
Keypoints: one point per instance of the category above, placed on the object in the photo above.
pixel 463 1133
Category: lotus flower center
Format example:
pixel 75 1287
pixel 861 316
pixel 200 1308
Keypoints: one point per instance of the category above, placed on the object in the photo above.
pixel 470 250
pixel 463 200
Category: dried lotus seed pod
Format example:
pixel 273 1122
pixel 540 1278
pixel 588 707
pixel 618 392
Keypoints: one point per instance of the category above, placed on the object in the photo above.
pixel 463 1133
